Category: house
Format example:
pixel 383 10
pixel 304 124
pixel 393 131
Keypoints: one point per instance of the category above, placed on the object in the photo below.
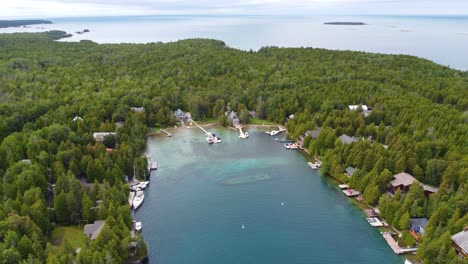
pixel 401 181
pixel 313 133
pixel 253 114
pixel 349 171
pixel 404 180
pixel 99 136
pixel 138 109
pixel 93 230
pixel 232 117
pixel 77 118
pixel 366 110
pixel 119 124
pixel 291 116
pixel 417 227
pixel 428 189
pixel 460 242
pixel 356 107
pixel 345 139
pixel 182 116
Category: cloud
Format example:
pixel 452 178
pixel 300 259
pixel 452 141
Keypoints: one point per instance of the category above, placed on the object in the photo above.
pixel 65 8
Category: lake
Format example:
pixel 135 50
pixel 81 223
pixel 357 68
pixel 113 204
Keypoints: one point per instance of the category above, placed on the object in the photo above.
pixel 202 195
pixel 442 39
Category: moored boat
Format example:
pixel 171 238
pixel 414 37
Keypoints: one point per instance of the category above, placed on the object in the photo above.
pixel 140 196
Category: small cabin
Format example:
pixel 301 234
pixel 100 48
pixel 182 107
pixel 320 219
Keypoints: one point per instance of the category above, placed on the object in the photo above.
pixel 460 242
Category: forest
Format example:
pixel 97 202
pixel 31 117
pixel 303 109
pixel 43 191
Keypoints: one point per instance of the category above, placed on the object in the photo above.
pixel 55 174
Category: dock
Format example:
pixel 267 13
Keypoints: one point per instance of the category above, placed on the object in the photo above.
pixel 343 186
pixel 351 192
pixel 204 131
pixel 395 247
pixel 167 133
pixel 131 196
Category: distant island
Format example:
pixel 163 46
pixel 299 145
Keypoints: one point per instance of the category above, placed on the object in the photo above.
pixel 17 23
pixel 346 23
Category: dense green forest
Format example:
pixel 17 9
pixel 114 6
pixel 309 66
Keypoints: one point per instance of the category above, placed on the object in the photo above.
pixel 419 112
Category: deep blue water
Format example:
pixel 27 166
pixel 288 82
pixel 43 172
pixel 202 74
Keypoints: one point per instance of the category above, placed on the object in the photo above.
pixel 190 214
pixel 442 39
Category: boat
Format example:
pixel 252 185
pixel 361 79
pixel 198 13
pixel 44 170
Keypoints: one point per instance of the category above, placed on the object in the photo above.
pixel 138 226
pixel 135 188
pixel 287 146
pixel 408 262
pixel 315 165
pixel 274 132
pixel 209 139
pixel 142 185
pixel 140 196
pixel 243 226
pixel 212 138
pixel 216 139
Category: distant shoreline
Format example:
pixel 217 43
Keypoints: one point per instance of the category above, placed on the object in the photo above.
pixel 345 23
pixel 19 23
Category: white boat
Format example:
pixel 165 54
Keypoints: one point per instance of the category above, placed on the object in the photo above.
pixel 242 134
pixel 408 262
pixel 138 226
pixel 314 165
pixel 274 132
pixel 209 139
pixel 212 138
pixel 243 226
pixel 287 146
pixel 140 196
pixel 142 185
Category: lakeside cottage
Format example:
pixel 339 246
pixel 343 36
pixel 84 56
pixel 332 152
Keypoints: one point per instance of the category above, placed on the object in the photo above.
pixel 349 171
pixel 93 230
pixel 460 242
pixel 233 118
pixel 345 139
pixel 417 226
pixel 253 114
pixel 182 116
pixel 404 180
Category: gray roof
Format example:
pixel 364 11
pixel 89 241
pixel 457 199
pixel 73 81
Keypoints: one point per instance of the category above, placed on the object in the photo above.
pixel 93 230
pixel 403 178
pixel 313 133
pixel 232 116
pixel 179 112
pixel 422 222
pixel 350 170
pixel 430 188
pixel 345 139
pixel 138 109
pixel 461 239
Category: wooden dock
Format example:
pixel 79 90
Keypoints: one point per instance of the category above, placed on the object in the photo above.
pixel 167 133
pixel 351 192
pixel 395 247
pixel 131 196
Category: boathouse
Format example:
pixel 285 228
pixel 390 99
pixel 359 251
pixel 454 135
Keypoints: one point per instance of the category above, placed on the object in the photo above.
pixel 93 230
pixel 460 242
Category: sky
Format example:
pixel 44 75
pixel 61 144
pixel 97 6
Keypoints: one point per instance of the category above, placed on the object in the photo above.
pixel 81 8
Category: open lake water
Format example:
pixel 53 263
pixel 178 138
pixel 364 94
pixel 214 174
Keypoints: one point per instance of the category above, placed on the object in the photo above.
pixel 442 39
pixel 195 206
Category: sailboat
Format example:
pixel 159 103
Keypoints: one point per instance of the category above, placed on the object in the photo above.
pixel 140 196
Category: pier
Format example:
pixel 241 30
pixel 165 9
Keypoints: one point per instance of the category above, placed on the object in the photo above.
pixel 204 131
pixel 241 133
pixel 167 133
pixel 131 196
pixel 395 247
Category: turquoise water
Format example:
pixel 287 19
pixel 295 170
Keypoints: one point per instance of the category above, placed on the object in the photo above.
pixel 442 39
pixel 190 215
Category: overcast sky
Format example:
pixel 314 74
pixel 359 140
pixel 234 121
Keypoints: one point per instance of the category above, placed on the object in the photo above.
pixel 66 8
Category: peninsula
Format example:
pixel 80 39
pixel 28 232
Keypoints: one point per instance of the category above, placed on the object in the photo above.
pixel 18 23
pixel 345 23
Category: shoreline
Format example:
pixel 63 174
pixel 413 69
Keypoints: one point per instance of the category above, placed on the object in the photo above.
pixel 173 129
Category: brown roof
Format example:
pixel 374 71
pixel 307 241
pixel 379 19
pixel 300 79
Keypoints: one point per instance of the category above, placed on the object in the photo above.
pixel 403 178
